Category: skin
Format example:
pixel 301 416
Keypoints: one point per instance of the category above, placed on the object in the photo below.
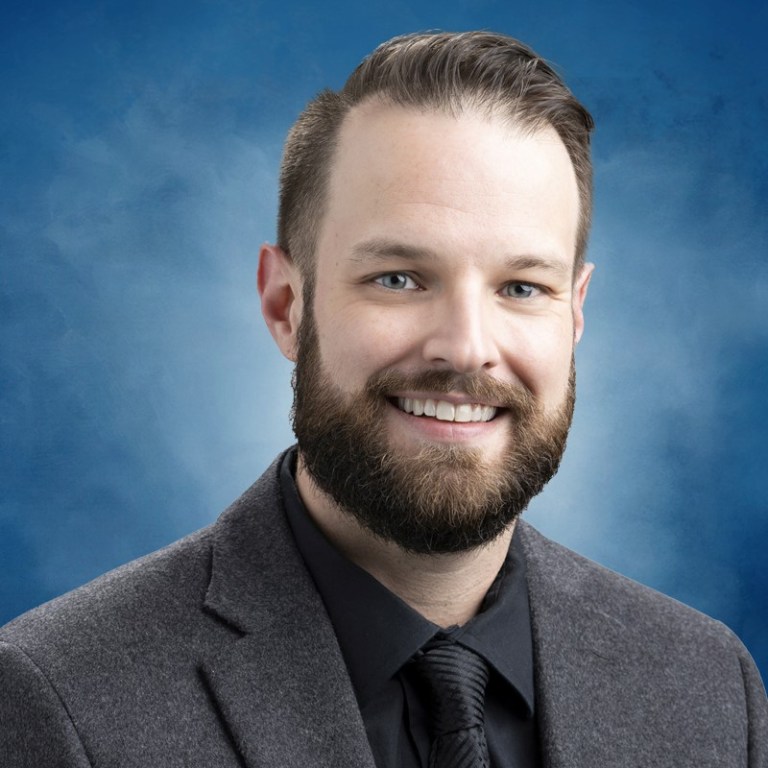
pixel 447 243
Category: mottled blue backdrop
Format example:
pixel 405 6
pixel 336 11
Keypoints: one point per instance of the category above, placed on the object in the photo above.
pixel 139 391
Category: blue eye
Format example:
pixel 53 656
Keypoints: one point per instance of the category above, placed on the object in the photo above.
pixel 520 290
pixel 396 281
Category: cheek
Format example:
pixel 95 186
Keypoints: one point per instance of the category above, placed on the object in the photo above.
pixel 354 345
pixel 541 360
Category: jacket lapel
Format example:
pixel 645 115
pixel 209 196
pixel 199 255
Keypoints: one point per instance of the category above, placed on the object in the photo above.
pixel 580 657
pixel 282 687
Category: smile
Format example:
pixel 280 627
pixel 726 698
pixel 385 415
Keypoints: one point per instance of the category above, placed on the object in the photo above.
pixel 442 410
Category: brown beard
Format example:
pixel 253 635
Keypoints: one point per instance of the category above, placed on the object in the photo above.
pixel 440 498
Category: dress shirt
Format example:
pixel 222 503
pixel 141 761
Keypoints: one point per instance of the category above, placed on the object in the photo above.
pixel 379 633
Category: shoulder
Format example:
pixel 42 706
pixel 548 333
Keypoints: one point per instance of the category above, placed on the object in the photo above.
pixel 611 651
pixel 110 605
pixel 653 638
pixel 142 599
pixel 115 666
pixel 560 575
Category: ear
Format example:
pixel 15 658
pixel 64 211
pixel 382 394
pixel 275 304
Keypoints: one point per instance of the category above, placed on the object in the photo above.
pixel 580 286
pixel 280 288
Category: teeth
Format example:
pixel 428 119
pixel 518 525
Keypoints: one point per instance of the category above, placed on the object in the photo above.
pixel 463 412
pixel 442 410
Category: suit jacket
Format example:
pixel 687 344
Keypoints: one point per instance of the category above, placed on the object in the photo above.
pixel 217 651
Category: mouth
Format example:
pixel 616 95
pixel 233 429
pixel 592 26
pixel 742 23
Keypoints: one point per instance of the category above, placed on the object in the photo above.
pixel 442 410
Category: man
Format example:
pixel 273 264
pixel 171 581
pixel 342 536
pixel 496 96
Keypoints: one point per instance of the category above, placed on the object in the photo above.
pixel 374 599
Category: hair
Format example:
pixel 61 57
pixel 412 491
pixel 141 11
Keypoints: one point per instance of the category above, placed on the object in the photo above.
pixel 493 73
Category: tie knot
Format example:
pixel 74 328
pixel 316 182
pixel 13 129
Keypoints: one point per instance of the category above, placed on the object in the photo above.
pixel 455 678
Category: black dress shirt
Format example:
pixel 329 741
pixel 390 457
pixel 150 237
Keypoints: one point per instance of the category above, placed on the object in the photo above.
pixel 378 634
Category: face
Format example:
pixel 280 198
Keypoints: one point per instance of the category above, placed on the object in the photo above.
pixel 434 382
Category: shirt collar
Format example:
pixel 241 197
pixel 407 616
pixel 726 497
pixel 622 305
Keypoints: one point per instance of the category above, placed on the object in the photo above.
pixel 378 632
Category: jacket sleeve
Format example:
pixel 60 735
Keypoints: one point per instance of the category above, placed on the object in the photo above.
pixel 35 728
pixel 757 709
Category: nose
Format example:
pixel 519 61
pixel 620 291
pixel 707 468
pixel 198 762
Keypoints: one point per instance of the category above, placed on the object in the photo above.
pixel 460 334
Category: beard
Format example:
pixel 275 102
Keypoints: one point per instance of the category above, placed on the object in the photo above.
pixel 436 498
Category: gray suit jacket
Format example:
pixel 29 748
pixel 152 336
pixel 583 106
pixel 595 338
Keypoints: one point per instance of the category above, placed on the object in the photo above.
pixel 217 651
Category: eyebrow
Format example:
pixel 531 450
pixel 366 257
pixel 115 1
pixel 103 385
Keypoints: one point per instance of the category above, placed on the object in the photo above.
pixel 539 262
pixel 381 249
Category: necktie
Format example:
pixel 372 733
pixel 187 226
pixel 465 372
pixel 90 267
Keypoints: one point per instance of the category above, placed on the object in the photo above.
pixel 455 679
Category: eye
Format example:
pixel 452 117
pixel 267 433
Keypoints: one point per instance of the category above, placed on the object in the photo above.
pixel 397 281
pixel 520 290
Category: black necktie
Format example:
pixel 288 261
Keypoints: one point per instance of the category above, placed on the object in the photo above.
pixel 455 679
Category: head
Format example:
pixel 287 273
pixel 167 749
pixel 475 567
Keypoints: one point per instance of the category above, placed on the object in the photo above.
pixel 445 72
pixel 430 286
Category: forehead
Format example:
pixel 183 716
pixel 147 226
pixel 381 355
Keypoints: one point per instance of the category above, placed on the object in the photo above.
pixel 472 180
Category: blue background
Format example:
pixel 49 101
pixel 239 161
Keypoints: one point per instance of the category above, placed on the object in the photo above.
pixel 140 392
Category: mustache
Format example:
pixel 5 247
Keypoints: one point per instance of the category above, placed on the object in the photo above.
pixel 479 386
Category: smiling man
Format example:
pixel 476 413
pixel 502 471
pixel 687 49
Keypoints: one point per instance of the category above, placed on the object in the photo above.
pixel 375 599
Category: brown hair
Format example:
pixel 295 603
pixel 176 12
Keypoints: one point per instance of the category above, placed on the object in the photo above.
pixel 440 71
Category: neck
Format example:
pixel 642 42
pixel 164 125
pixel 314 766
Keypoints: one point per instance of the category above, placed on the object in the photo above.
pixel 447 589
